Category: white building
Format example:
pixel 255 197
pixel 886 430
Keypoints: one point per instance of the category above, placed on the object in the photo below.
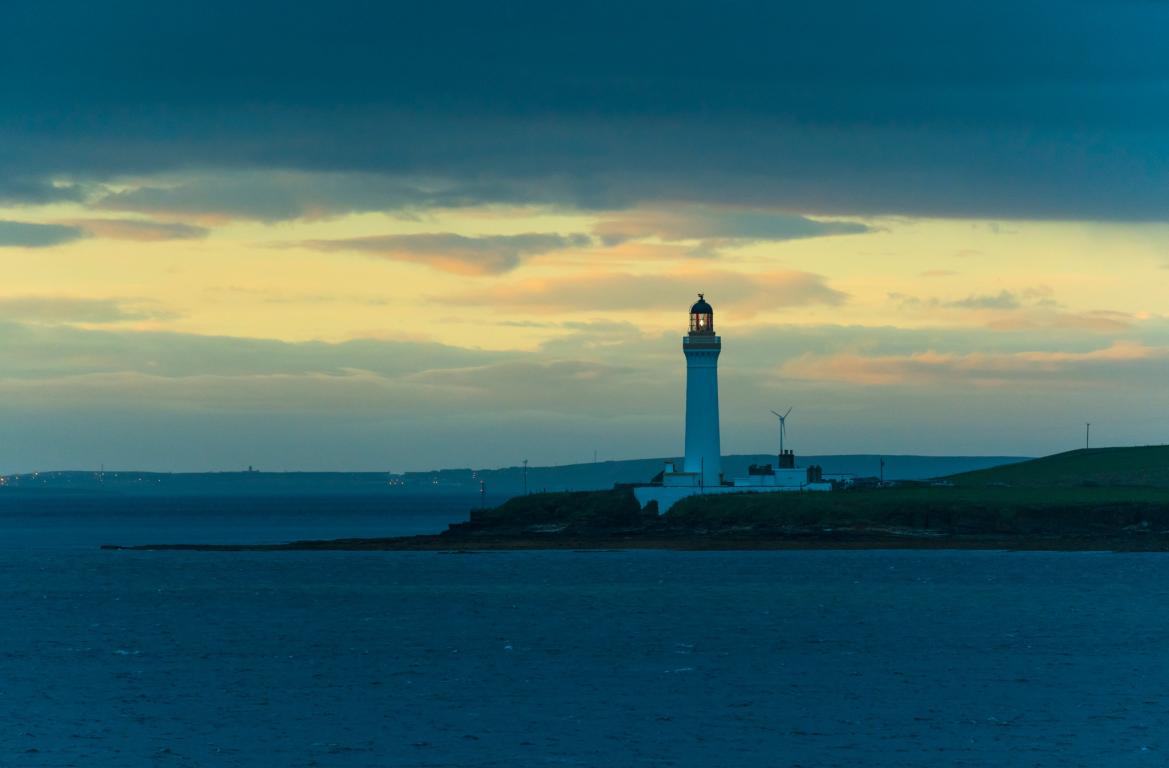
pixel 702 465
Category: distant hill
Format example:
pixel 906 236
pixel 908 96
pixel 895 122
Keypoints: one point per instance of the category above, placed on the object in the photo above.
pixel 500 483
pixel 248 483
pixel 602 475
pixel 1139 466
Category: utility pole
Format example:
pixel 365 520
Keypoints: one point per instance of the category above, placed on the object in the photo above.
pixel 1087 434
pixel 525 477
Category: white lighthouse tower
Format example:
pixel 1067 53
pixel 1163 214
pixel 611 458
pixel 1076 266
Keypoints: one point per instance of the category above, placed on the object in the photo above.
pixel 701 347
pixel 702 468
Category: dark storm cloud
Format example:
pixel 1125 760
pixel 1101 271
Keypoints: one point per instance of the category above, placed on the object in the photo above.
pixel 1039 109
pixel 16 190
pixel 283 195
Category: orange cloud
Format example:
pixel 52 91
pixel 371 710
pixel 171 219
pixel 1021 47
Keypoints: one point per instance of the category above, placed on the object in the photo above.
pixel 635 252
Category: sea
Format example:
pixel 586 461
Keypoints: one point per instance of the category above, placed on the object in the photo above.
pixel 557 658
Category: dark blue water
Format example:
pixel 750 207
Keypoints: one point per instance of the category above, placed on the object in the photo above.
pixel 30 520
pixel 562 658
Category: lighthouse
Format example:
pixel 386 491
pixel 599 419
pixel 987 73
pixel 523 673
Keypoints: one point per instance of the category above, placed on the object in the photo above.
pixel 701 471
pixel 701 347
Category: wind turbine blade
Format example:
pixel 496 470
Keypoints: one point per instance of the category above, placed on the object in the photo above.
pixel 789 410
pixel 777 414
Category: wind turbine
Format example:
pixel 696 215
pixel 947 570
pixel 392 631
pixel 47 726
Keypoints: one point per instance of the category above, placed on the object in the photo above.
pixel 782 427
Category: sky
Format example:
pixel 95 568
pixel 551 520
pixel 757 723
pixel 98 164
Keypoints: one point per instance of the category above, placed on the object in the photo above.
pixel 374 236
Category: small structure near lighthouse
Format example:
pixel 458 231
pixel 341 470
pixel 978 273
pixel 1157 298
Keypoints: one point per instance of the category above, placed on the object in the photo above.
pixel 701 470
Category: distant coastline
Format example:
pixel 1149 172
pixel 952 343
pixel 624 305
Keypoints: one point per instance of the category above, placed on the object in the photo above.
pixel 1104 499
pixel 499 483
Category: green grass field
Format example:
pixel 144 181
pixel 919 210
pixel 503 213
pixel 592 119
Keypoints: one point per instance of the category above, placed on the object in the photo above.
pixel 1139 466
pixel 955 509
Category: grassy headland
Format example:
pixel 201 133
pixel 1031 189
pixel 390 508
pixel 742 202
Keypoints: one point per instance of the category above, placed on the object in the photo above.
pixel 1115 498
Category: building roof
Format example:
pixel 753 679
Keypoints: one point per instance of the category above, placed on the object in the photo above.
pixel 701 307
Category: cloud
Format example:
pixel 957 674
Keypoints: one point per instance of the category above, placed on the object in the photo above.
pixel 424 385
pixel 618 343
pixel 541 384
pixel 638 252
pixel 15 190
pixel 49 350
pixel 133 229
pixel 1029 309
pixel 20 234
pixel 706 223
pixel 53 310
pixel 281 194
pixel 1001 300
pixel 621 292
pixel 44 350
pixel 1101 367
pixel 482 255
pixel 848 108
pixel 69 394
pixel 1093 321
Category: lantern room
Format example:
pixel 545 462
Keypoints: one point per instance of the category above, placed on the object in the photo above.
pixel 701 318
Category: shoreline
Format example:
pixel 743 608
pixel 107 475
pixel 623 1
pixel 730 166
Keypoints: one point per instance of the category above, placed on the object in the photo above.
pixel 1072 519
pixel 854 540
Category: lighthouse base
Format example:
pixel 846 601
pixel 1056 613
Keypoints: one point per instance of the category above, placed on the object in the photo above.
pixel 667 496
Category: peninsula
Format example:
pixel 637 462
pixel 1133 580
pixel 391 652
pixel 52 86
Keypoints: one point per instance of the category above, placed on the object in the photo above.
pixel 1099 499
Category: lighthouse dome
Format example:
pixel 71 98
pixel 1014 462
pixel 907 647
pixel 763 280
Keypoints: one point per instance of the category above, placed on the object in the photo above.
pixel 701 307
pixel 701 318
